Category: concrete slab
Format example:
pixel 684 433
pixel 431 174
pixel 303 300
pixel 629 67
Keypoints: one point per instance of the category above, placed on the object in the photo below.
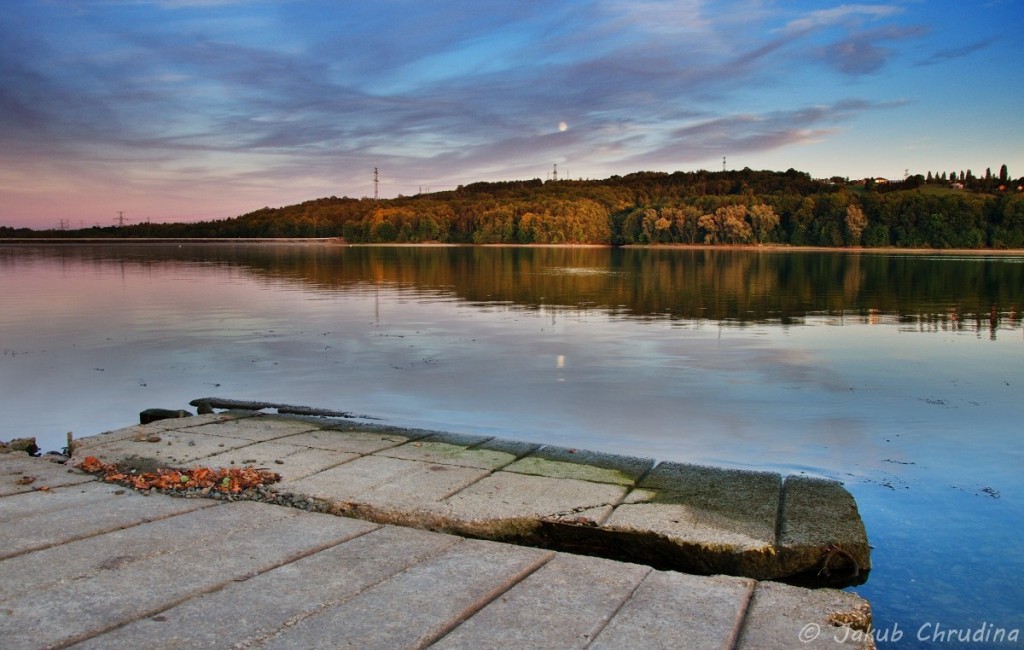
pixel 169 448
pixel 78 560
pixel 43 519
pixel 832 541
pixel 673 610
pixel 460 450
pixel 669 516
pixel 702 519
pixel 296 461
pixel 551 608
pixel 421 490
pixel 72 611
pixel 261 427
pixel 346 482
pixel 784 617
pixel 21 473
pixel 257 575
pixel 501 505
pixel 434 597
pixel 580 464
pixel 351 441
pixel 153 428
pixel 246 612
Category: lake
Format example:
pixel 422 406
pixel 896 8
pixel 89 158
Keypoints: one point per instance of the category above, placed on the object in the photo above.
pixel 901 375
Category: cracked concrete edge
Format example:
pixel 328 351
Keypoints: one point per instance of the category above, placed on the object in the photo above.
pixel 582 537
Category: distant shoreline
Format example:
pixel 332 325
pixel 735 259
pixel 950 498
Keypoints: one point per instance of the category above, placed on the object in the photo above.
pixel 337 241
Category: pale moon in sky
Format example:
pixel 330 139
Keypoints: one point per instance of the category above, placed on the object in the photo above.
pixel 562 126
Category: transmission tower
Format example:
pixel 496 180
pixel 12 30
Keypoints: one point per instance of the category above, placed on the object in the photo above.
pixel 554 174
pixel 723 163
pixel 120 217
pixel 376 185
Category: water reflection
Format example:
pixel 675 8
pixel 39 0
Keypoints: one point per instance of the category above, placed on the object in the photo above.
pixel 891 384
pixel 733 287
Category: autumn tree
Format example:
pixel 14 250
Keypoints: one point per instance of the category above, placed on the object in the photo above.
pixel 764 221
pixel 856 222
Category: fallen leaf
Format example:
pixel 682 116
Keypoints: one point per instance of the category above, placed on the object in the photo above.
pixel 25 480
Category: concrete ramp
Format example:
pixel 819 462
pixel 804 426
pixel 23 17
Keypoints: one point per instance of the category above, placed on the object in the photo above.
pixel 687 518
pixel 89 564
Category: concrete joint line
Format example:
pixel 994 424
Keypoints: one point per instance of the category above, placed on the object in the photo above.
pixel 486 600
pixel 213 588
pixel 779 513
pixel 611 617
pixel 741 624
pixel 97 533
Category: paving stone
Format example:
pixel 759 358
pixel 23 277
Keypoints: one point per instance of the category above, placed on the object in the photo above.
pixel 673 610
pixel 244 612
pixel 83 445
pixel 72 610
pixel 23 473
pixel 831 539
pixel 260 427
pixel 420 604
pixel 357 442
pixel 672 516
pixel 171 448
pixel 347 481
pixel 448 449
pixel 782 616
pixel 420 490
pixel 291 461
pixel 78 560
pixel 257 575
pixel 43 519
pixel 721 521
pixel 507 497
pixel 563 462
pixel 564 604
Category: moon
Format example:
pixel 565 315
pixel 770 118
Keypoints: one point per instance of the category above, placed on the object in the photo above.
pixel 562 126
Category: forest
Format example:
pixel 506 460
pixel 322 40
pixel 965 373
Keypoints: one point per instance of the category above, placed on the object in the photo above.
pixel 743 207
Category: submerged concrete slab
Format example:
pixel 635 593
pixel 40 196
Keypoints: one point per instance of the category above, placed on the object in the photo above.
pixel 668 515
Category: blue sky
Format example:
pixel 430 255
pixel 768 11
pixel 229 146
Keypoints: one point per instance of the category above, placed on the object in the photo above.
pixel 178 110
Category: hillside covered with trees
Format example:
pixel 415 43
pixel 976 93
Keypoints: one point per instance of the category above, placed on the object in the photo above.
pixel 957 210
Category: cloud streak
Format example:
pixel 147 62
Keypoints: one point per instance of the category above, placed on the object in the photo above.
pixel 279 99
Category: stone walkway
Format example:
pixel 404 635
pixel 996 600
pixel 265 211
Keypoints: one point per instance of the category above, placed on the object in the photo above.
pixel 670 516
pixel 95 565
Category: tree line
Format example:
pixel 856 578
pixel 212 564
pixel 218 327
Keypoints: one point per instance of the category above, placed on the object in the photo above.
pixel 737 208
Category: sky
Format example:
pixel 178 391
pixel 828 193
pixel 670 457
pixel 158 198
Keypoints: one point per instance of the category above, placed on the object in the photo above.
pixel 185 110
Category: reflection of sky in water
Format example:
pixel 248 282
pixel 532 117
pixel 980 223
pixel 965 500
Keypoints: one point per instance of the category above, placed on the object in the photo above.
pixel 917 423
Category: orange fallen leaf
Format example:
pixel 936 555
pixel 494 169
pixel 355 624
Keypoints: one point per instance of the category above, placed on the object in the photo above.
pixel 233 479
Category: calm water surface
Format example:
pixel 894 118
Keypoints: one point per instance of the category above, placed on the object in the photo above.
pixel 901 375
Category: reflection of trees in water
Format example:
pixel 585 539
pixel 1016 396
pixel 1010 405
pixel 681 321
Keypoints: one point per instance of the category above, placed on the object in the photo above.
pixel 737 286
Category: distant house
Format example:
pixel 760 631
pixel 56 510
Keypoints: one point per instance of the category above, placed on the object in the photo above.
pixel 881 181
pixel 957 185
